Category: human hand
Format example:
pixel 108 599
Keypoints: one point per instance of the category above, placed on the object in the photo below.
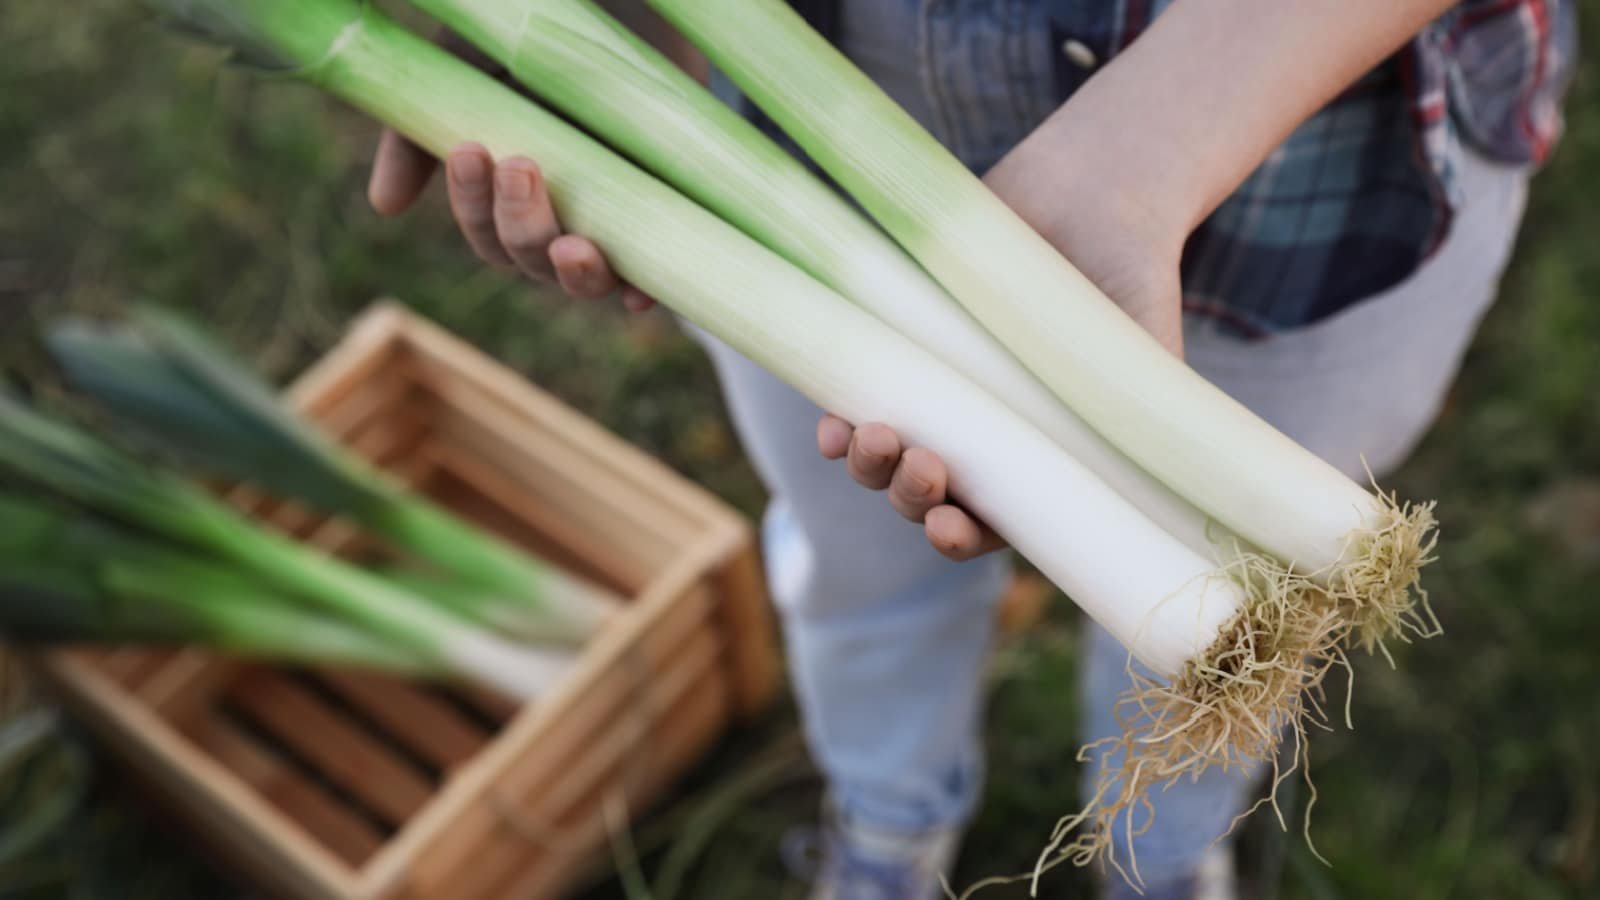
pixel 502 208
pixel 1128 244
pixel 504 211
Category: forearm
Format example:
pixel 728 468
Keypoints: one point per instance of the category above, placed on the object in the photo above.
pixel 1194 105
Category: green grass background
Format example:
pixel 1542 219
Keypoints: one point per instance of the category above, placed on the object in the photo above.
pixel 130 169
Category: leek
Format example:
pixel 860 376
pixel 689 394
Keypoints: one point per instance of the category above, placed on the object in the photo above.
pixel 574 56
pixel 190 398
pixel 65 578
pixel 68 463
pixel 1365 550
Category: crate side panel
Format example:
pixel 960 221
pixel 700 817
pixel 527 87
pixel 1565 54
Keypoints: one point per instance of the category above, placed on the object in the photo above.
pixel 279 855
pixel 687 732
pixel 606 700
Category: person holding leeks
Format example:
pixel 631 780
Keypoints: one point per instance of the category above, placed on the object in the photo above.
pixel 1311 203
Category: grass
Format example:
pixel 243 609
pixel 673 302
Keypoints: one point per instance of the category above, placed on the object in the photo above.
pixel 129 169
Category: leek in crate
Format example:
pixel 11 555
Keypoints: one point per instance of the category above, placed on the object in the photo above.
pixel 57 460
pixel 599 74
pixel 68 578
pixel 189 397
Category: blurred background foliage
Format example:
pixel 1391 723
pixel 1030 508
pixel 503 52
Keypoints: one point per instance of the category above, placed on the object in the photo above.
pixel 130 169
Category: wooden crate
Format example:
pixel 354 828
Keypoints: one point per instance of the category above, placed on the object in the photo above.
pixel 339 784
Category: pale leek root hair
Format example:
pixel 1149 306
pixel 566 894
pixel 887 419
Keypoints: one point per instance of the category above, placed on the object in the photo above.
pixel 1379 592
pixel 1260 681
pixel 1230 707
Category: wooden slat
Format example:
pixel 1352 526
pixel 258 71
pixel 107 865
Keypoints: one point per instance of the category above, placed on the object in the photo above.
pixel 131 666
pixel 288 516
pixel 321 814
pixel 369 346
pixel 292 518
pixel 487 702
pixel 187 683
pixel 339 537
pixel 551 523
pixel 392 437
pixel 635 719
pixel 511 521
pixel 414 716
pixel 371 401
pixel 493 489
pixel 551 489
pixel 387 784
pixel 747 616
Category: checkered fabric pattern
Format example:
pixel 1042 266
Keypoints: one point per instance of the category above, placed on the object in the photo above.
pixel 1356 198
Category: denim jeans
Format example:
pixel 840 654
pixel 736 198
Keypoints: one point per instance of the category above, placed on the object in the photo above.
pixel 886 639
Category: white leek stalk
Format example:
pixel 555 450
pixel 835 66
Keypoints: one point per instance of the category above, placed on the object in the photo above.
pixel 1207 447
pixel 577 58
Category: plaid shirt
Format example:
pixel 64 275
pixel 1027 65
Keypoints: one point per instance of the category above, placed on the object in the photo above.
pixel 1351 204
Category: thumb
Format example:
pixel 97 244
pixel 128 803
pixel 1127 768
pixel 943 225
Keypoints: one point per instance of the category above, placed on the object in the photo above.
pixel 400 171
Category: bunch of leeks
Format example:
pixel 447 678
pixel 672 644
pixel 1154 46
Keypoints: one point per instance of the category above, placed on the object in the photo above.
pixel 1363 550
pixel 100 544
pixel 66 578
pixel 189 398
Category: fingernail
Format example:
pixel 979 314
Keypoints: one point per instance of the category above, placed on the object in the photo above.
pixel 469 168
pixel 514 186
pixel 877 444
